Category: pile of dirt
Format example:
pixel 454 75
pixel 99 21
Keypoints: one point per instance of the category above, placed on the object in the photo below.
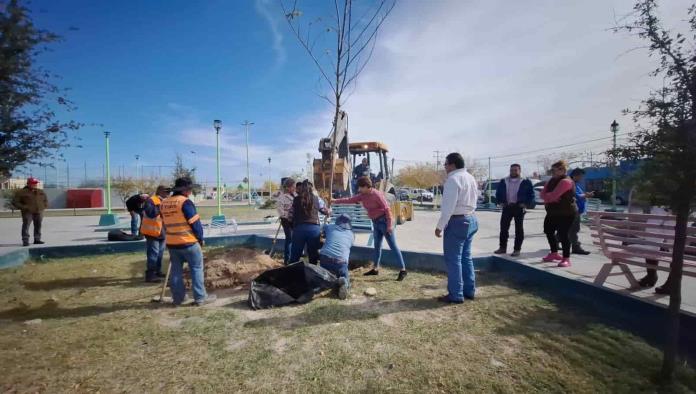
pixel 232 267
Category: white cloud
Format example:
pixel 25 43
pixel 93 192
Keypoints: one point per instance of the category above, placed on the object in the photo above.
pixel 491 77
pixel 269 11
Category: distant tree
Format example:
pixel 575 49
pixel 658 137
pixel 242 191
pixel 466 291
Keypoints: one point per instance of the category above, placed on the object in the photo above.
pixel 125 187
pixel 181 171
pixel 346 41
pixel 545 161
pixel 30 131
pixel 421 175
pixel 8 198
pixel 476 168
pixel 666 140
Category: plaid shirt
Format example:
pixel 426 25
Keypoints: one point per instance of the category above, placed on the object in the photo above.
pixel 283 205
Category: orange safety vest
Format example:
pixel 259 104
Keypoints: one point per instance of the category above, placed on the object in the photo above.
pixel 176 227
pixel 152 227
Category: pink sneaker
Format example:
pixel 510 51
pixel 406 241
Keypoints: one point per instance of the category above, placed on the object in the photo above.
pixel 551 257
pixel 564 263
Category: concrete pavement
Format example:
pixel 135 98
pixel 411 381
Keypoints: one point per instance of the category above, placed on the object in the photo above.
pixel 417 235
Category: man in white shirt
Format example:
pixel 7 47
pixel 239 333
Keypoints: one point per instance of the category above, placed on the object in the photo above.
pixel 459 224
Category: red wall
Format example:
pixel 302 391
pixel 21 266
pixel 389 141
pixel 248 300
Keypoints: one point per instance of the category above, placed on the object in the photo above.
pixel 85 198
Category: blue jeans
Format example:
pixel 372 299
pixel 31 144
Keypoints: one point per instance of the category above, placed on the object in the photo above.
pixel 461 280
pixel 194 257
pixel 135 223
pixel 336 268
pixel 379 233
pixel 305 234
pixel 155 251
pixel 287 229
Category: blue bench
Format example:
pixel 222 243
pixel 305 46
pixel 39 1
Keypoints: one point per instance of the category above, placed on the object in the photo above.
pixel 359 219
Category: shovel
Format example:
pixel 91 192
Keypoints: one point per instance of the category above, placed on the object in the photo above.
pixel 160 298
pixel 270 252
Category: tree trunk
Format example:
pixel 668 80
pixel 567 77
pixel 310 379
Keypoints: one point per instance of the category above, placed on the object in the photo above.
pixel 676 267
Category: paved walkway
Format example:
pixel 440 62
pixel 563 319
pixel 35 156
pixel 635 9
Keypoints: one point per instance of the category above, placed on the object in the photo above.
pixel 417 235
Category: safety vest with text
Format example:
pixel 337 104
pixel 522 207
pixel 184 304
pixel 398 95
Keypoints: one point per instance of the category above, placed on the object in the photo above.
pixel 152 227
pixel 176 227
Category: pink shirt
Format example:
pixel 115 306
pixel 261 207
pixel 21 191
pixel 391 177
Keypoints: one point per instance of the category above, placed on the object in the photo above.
pixel 374 202
pixel 554 196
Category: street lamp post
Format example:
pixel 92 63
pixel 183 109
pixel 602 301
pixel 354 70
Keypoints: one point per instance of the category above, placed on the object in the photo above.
pixel 246 125
pixel 614 129
pixel 219 218
pixel 108 219
pixel 270 184
pixel 137 161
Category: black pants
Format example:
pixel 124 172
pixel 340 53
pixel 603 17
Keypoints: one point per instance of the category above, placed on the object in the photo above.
pixel 27 219
pixel 561 225
pixel 573 233
pixel 510 212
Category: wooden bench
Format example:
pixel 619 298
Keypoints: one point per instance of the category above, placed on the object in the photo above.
pixel 632 238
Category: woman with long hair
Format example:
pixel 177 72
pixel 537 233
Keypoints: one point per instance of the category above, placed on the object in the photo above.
pixel 284 203
pixel 305 220
pixel 559 201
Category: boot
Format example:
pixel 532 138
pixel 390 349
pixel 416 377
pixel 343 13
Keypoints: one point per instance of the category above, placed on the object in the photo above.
pixel 648 280
pixel 402 275
pixel 151 277
pixel 39 242
pixel 161 274
pixel 371 272
pixel 501 250
pixel 342 288
pixel 665 289
pixel 577 249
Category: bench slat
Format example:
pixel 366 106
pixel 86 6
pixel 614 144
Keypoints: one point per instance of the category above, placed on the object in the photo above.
pixel 643 241
pixel 687 268
pixel 614 231
pixel 636 251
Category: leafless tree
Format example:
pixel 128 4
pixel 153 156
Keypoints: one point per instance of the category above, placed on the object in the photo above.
pixel 340 46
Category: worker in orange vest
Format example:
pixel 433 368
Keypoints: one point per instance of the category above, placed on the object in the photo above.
pixel 151 227
pixel 184 237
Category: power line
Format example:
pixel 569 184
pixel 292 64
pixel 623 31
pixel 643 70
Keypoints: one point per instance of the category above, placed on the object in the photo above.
pixel 547 148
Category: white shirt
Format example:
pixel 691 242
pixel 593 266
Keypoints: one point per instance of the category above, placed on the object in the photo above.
pixel 459 196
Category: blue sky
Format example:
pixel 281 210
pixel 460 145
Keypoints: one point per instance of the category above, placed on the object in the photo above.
pixel 484 78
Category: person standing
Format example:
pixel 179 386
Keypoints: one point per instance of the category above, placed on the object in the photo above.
pixel 335 254
pixel 153 230
pixel 382 222
pixel 514 194
pixel 581 197
pixel 361 170
pixel 31 201
pixel 459 224
pixel 184 238
pixel 284 203
pixel 559 201
pixel 135 205
pixel 305 223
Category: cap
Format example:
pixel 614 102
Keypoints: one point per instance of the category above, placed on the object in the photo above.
pixel 32 181
pixel 163 189
pixel 344 221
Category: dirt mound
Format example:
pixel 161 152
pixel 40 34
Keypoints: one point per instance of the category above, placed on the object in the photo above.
pixel 232 267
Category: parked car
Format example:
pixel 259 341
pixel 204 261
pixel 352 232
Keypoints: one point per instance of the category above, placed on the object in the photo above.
pixel 421 195
pixel 538 187
pixel 484 191
pixel 403 195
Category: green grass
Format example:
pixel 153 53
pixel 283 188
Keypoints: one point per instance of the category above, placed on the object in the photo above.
pixel 100 332
pixel 239 212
